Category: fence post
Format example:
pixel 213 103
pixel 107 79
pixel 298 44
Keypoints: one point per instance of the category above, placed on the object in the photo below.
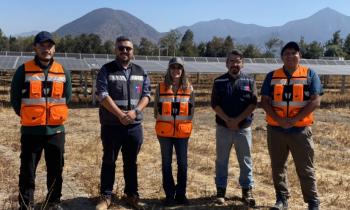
pixel 343 78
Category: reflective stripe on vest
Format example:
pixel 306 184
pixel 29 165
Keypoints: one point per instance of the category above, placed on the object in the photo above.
pixel 38 108
pixel 170 123
pixel 288 104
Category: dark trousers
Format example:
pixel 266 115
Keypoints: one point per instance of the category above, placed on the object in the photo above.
pixel 128 139
pixel 301 146
pixel 31 149
pixel 166 147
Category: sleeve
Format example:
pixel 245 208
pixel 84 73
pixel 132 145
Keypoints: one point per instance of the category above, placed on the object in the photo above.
pixel 215 98
pixel 102 84
pixel 16 89
pixel 68 86
pixel 315 84
pixel 192 101
pixel 155 104
pixel 266 88
pixel 254 93
pixel 146 87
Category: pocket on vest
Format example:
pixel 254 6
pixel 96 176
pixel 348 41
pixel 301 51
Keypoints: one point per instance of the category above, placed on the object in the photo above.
pixel 57 114
pixel 164 129
pixel 33 115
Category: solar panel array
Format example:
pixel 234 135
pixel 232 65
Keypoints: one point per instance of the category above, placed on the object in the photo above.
pixel 87 62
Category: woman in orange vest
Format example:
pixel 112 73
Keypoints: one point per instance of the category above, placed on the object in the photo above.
pixel 173 110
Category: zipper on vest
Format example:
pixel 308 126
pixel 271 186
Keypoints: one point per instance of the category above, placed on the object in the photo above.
pixel 45 91
pixel 288 80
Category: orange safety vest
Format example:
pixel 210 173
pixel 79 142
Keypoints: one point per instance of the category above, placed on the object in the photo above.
pixel 290 96
pixel 43 109
pixel 174 117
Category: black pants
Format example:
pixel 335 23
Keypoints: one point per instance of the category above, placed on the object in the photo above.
pixel 128 139
pixel 31 149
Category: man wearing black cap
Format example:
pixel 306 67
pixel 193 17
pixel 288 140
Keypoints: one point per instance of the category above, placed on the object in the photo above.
pixel 289 96
pixel 123 89
pixel 40 91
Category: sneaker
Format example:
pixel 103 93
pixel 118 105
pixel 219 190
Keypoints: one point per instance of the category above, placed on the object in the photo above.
pixel 134 201
pixel 281 203
pixel 220 196
pixel 104 202
pixel 182 200
pixel 54 206
pixel 247 197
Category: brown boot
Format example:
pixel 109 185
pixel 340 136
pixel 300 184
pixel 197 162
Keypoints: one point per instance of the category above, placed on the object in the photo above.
pixel 134 201
pixel 104 202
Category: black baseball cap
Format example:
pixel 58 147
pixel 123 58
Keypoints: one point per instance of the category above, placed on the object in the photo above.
pixel 43 36
pixel 290 45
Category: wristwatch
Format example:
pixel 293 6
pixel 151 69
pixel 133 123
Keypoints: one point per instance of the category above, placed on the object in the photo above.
pixel 138 113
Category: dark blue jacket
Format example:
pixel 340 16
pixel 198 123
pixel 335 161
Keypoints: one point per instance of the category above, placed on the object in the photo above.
pixel 233 96
pixel 125 89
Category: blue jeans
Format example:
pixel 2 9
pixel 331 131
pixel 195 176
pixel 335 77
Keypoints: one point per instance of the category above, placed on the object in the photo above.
pixel 242 140
pixel 128 139
pixel 166 147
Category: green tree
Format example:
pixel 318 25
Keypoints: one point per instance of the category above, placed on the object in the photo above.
pixel 202 49
pixel 4 45
pixel 227 46
pixel 334 46
pixel 108 47
pixel 170 41
pixel 313 51
pixel 273 46
pixel 215 47
pixel 147 47
pixel 187 46
pixel 251 51
pixel 346 47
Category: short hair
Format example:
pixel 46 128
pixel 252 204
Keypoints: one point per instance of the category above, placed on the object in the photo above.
pixel 122 39
pixel 235 52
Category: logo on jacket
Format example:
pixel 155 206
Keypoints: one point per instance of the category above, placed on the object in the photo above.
pixel 246 88
pixel 138 88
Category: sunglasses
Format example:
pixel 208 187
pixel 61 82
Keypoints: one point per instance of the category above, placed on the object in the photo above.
pixel 123 48
pixel 176 67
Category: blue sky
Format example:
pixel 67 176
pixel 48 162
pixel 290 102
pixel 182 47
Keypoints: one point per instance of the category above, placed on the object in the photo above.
pixel 19 16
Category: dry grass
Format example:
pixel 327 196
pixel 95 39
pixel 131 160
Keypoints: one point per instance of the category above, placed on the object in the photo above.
pixel 84 152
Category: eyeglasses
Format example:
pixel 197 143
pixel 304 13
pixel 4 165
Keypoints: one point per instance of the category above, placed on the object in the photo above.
pixel 123 48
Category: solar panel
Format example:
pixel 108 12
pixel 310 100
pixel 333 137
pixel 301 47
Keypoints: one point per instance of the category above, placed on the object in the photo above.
pixel 73 64
pixel 22 59
pixel 11 61
pixel 7 62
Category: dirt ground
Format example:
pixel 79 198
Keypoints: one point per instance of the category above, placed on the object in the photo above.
pixel 84 151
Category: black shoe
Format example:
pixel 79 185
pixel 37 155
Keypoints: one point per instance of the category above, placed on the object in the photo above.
pixel 281 203
pixel 54 206
pixel 29 206
pixel 247 197
pixel 169 201
pixel 314 205
pixel 182 200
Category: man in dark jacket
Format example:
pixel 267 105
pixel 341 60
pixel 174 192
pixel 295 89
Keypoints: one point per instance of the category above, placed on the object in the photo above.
pixel 123 89
pixel 234 99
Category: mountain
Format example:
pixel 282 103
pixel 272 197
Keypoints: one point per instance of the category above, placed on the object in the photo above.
pixel 109 24
pixel 25 34
pixel 319 26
